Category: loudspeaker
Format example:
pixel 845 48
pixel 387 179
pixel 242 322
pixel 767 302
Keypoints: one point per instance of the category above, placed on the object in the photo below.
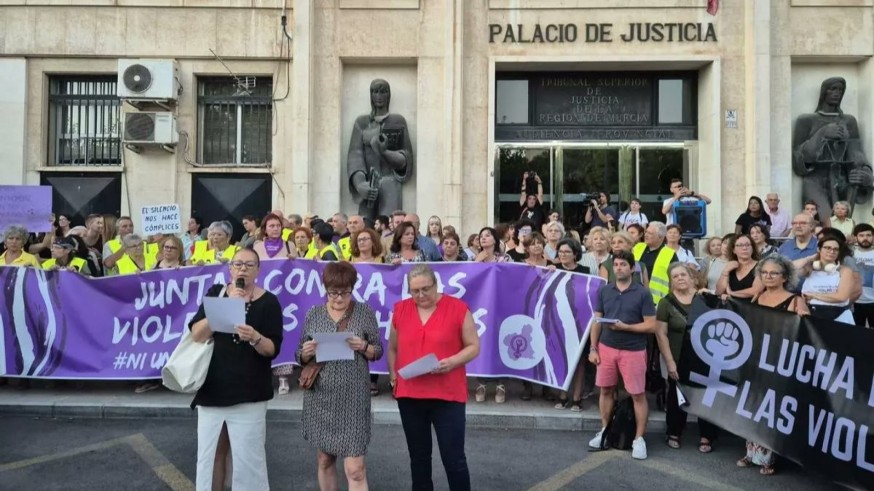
pixel 691 216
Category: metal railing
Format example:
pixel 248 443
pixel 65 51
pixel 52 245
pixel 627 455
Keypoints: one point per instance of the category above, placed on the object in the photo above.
pixel 236 125
pixel 85 127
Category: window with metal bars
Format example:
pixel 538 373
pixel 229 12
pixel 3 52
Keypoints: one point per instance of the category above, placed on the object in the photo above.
pixel 84 126
pixel 235 120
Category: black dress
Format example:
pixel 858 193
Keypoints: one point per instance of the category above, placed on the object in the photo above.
pixel 737 284
pixel 237 373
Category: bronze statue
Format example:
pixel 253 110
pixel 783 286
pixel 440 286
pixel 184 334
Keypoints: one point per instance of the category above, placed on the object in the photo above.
pixel 380 156
pixel 827 152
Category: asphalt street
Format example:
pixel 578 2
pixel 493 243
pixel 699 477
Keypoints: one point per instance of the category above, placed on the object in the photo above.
pixel 148 454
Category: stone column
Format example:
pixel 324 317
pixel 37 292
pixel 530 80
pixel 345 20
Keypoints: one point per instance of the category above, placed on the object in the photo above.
pixel 13 107
pixel 757 86
pixel 452 188
pixel 297 170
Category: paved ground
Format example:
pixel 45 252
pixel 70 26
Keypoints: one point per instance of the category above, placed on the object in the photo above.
pixel 159 454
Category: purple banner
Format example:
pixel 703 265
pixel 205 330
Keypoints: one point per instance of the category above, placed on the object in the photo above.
pixel 532 322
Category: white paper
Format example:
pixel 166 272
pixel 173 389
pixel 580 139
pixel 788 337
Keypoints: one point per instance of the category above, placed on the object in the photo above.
pixel 603 320
pixel 419 367
pixel 333 346
pixel 223 314
pixel 681 400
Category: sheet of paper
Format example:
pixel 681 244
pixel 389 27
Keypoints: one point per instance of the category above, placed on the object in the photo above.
pixel 681 399
pixel 223 314
pixel 603 320
pixel 419 367
pixel 333 346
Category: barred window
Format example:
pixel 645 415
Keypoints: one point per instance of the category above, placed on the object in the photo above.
pixel 84 126
pixel 236 120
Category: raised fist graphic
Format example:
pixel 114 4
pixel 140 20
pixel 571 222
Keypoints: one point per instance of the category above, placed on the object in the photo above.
pixel 722 339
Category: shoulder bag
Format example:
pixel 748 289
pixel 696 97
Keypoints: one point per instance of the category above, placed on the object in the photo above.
pixel 186 369
pixel 311 369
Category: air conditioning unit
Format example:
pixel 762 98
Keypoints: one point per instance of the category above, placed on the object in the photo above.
pixel 150 128
pixel 148 79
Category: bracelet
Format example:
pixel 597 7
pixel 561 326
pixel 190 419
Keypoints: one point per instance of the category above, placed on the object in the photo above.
pixel 256 342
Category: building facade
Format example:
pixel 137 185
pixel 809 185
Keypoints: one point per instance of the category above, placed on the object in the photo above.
pixel 614 95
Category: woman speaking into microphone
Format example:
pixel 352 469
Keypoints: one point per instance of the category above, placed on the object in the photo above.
pixel 233 400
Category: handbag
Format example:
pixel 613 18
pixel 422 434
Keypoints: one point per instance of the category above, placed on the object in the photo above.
pixel 311 369
pixel 186 369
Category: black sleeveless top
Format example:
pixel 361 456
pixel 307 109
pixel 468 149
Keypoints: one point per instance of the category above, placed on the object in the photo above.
pixel 784 305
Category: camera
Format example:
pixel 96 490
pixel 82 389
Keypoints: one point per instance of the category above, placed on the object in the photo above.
pixel 589 197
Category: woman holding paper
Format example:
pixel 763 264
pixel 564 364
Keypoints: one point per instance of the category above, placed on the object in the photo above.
pixel 430 325
pixel 336 409
pixel 232 403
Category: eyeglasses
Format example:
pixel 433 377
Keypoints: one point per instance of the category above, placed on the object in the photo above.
pixel 336 295
pixel 771 274
pixel 247 264
pixel 795 224
pixel 831 248
pixel 743 246
pixel 565 252
pixel 364 238
pixel 169 248
pixel 420 292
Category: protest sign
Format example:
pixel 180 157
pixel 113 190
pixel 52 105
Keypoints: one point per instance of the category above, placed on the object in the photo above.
pixel 161 219
pixel 28 206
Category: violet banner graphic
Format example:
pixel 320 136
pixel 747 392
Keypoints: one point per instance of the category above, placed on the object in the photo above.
pixel 532 322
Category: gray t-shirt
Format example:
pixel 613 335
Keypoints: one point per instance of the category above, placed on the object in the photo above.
pixel 629 306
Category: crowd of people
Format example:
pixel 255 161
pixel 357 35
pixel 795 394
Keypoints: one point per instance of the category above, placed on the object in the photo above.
pixel 806 264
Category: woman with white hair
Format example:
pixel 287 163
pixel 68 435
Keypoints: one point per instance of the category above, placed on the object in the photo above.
pixel 134 259
pixel 15 239
pixel 554 234
pixel 599 239
pixel 220 249
pixel 841 219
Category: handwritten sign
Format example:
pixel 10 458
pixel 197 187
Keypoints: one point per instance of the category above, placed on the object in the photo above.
pixel 161 219
pixel 28 206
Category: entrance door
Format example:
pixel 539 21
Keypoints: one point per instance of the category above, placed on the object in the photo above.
pixel 582 173
pixel 510 168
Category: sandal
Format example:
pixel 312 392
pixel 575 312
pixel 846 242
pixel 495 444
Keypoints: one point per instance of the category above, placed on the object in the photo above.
pixel 561 404
pixel 500 394
pixel 767 470
pixel 374 389
pixel 704 446
pixel 745 462
pixel 480 393
pixel 577 406
pixel 673 441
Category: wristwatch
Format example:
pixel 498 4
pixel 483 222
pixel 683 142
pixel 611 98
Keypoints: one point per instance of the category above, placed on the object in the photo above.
pixel 256 342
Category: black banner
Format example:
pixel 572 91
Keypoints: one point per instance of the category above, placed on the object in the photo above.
pixel 797 385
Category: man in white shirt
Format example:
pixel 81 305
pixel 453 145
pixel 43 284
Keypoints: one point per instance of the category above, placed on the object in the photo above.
pixel 863 253
pixel 780 218
pixel 682 194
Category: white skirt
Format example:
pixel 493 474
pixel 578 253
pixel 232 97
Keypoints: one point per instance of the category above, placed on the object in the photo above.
pixel 247 429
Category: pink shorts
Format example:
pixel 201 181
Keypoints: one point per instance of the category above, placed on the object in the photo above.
pixel 630 364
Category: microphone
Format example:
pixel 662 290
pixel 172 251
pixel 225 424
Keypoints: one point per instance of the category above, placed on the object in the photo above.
pixel 240 283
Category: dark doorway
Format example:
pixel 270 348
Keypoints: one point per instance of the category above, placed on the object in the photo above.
pixel 231 197
pixel 79 194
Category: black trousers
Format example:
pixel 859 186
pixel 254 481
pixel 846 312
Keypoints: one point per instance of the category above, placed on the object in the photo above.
pixel 448 419
pixel 863 314
pixel 675 418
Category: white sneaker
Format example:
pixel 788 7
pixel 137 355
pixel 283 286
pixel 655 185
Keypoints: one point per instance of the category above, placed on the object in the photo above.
pixel 596 442
pixel 638 448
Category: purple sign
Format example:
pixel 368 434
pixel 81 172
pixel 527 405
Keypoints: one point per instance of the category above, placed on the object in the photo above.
pixel 28 206
pixel 532 322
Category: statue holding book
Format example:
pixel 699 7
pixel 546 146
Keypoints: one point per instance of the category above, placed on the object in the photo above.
pixel 380 156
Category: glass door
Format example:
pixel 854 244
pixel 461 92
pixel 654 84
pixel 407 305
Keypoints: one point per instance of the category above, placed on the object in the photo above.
pixel 581 172
pixel 655 169
pixel 510 168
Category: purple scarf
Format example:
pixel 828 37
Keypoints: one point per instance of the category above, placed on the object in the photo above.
pixel 273 246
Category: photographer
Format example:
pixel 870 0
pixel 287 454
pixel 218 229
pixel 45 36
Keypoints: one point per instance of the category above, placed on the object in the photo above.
pixel 683 194
pixel 531 203
pixel 599 213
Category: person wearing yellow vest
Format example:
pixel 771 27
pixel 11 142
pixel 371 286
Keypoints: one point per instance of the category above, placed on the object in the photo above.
pixel 354 225
pixel 15 238
pixel 656 257
pixel 133 260
pixel 64 257
pixel 303 238
pixel 221 250
pixel 328 251
pixel 342 235
pixel 112 249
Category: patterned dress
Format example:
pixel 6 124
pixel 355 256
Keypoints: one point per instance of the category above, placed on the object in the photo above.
pixel 336 411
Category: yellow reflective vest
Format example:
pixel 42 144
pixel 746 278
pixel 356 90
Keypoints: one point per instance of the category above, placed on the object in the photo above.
pixel 659 282
pixel 330 248
pixel 208 256
pixel 126 265
pixel 75 263
pixel 345 245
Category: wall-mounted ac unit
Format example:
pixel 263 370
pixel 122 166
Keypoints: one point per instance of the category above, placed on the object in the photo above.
pixel 150 128
pixel 148 79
